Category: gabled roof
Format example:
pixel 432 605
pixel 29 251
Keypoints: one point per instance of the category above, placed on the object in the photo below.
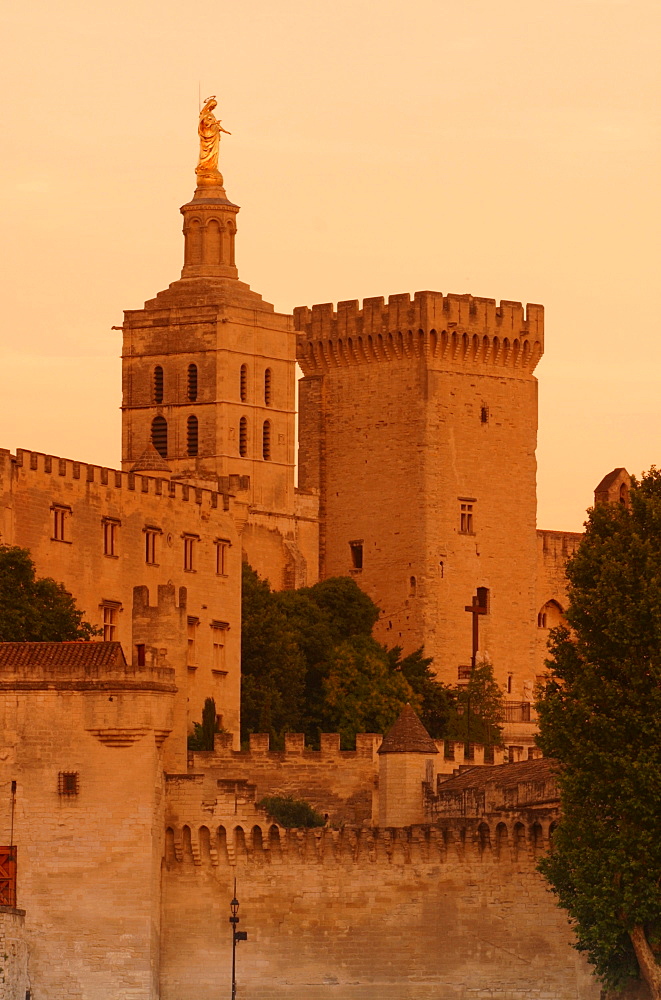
pixel 610 479
pixel 504 775
pixel 150 461
pixel 89 655
pixel 407 735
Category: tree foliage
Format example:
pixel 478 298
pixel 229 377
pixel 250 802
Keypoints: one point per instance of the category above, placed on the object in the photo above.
pixel 36 609
pixel 290 812
pixel 310 664
pixel 600 717
pixel 479 709
pixel 203 736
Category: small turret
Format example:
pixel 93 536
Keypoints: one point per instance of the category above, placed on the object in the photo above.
pixel 406 760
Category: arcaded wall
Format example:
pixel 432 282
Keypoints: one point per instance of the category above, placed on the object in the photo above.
pixel 365 915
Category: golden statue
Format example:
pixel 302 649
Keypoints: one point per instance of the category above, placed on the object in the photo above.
pixel 209 130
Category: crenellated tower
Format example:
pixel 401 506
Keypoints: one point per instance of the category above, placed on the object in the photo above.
pixel 418 425
pixel 209 380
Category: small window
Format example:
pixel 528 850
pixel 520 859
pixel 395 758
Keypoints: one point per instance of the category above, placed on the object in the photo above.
pixel 356 554
pixel 191 654
pixel 243 383
pixel 483 598
pixel 466 522
pixel 192 383
pixel 68 783
pixel 266 440
pixel 191 436
pixel 509 683
pixel 110 610
pixel 267 386
pixel 159 435
pixel 222 551
pixel 151 546
pixel 141 654
pixel 189 553
pixel 484 414
pixel 60 515
pixel 218 648
pixel 110 530
pixel 243 437
pixel 624 494
pixel 541 619
pixel 158 384
pixel 413 586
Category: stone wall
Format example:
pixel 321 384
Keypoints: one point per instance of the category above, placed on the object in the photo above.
pixel 366 915
pixel 13 954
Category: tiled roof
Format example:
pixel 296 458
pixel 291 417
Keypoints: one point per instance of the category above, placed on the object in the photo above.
pixel 90 655
pixel 540 769
pixel 150 461
pixel 407 735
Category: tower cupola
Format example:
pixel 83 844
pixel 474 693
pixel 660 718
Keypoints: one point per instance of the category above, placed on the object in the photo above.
pixel 210 217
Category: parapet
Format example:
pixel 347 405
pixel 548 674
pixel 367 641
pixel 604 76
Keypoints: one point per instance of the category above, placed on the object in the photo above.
pixel 51 465
pixel 76 666
pixel 455 329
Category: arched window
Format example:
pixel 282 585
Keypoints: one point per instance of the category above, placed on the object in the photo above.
pixel 243 383
pixel 243 437
pixel 159 435
pixel 624 494
pixel 158 384
pixel 191 436
pixel 267 386
pixel 213 253
pixel 192 383
pixel 266 440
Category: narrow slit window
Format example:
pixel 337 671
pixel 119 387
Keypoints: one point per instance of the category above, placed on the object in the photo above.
pixel 356 549
pixel 267 386
pixel 159 435
pixel 243 383
pixel 192 436
pixel 192 383
pixel 191 655
pixel 158 384
pixel 243 437
pixel 151 550
pixel 189 552
pixel 222 550
pixel 266 440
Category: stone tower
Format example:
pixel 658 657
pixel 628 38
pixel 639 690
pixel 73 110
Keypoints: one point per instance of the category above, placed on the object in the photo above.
pixel 209 380
pixel 418 425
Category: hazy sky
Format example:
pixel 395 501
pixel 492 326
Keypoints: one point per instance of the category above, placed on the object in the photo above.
pixel 509 149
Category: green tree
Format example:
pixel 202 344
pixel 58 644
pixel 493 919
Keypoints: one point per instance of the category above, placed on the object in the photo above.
pixel 290 812
pixel 36 609
pixel 363 694
pixel 203 736
pixel 600 717
pixel 479 708
pixel 310 664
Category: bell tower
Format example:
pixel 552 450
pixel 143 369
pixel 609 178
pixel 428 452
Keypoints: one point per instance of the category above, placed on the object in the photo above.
pixel 209 374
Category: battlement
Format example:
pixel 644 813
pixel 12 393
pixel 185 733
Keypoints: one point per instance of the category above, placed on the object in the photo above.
pixel 67 469
pixel 517 838
pixel 448 329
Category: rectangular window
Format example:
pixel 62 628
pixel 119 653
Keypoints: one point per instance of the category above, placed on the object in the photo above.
pixel 356 554
pixel 110 610
pixel 110 530
pixel 191 654
pixel 218 636
pixel 222 552
pixel 60 514
pixel 189 552
pixel 67 783
pixel 466 518
pixel 151 534
pixel 141 654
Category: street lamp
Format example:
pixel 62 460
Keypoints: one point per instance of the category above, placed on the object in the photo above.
pixel 236 936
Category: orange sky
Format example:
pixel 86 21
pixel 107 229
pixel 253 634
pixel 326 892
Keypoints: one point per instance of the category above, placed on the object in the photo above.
pixel 508 149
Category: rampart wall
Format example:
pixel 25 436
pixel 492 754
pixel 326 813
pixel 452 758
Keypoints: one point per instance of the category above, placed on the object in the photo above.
pixel 364 914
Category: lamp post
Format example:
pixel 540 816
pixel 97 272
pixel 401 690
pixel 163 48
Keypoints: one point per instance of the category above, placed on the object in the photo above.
pixel 236 936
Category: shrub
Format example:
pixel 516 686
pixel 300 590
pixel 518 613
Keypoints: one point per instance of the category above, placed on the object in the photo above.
pixel 290 812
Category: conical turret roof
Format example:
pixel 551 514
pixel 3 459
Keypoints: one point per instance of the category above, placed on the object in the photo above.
pixel 151 461
pixel 407 735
